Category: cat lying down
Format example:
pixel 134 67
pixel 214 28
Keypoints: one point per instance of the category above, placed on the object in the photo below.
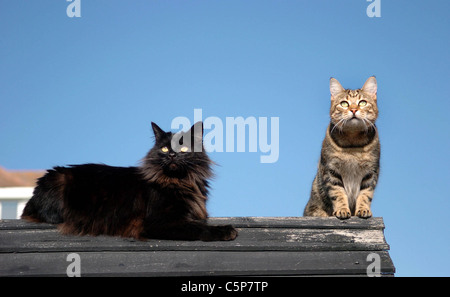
pixel 164 198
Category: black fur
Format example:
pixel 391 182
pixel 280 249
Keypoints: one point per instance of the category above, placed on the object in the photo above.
pixel 164 198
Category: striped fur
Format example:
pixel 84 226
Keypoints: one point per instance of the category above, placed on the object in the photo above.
pixel 350 158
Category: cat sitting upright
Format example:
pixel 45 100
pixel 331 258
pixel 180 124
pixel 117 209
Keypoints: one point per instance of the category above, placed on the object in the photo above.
pixel 350 159
pixel 164 198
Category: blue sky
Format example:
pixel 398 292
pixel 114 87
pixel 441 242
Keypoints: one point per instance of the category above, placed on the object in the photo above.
pixel 78 90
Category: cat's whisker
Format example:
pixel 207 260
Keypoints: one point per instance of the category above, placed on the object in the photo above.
pixel 337 125
pixel 367 124
pixel 370 123
pixel 343 124
pixel 366 128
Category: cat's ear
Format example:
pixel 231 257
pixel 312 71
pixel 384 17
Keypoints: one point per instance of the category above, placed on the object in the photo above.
pixel 197 136
pixel 197 131
pixel 370 86
pixel 335 87
pixel 157 131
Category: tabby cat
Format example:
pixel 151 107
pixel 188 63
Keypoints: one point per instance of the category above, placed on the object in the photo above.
pixel 164 198
pixel 350 158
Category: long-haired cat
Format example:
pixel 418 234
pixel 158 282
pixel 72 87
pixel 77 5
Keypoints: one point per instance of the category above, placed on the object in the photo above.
pixel 350 158
pixel 164 198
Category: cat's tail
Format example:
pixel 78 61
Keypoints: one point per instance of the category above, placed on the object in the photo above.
pixel 47 201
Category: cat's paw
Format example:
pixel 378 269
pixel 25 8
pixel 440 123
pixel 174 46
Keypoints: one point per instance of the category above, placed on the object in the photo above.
pixel 364 213
pixel 216 233
pixel 229 233
pixel 343 213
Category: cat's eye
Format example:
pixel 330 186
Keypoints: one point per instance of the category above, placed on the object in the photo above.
pixel 184 149
pixel 344 104
pixel 165 149
pixel 362 103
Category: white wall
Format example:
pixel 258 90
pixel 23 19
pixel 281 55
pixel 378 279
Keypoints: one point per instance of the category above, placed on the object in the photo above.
pixel 18 196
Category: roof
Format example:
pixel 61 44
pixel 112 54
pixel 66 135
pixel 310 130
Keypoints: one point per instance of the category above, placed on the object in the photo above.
pixel 292 246
pixel 19 178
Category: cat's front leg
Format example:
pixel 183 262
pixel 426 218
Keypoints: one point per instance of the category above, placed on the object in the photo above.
pixel 188 230
pixel 363 202
pixel 364 199
pixel 339 199
pixel 334 187
pixel 216 233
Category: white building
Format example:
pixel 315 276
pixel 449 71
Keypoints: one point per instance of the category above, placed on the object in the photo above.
pixel 13 200
pixel 16 187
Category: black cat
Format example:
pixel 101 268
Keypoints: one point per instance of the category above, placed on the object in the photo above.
pixel 164 198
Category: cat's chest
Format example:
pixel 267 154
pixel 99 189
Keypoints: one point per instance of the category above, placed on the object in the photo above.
pixel 352 166
pixel 352 174
pixel 352 171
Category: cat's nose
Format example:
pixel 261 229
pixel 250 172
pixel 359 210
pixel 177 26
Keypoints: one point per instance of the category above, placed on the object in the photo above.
pixel 354 110
pixel 171 154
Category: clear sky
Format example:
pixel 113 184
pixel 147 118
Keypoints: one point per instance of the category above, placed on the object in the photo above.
pixel 78 90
